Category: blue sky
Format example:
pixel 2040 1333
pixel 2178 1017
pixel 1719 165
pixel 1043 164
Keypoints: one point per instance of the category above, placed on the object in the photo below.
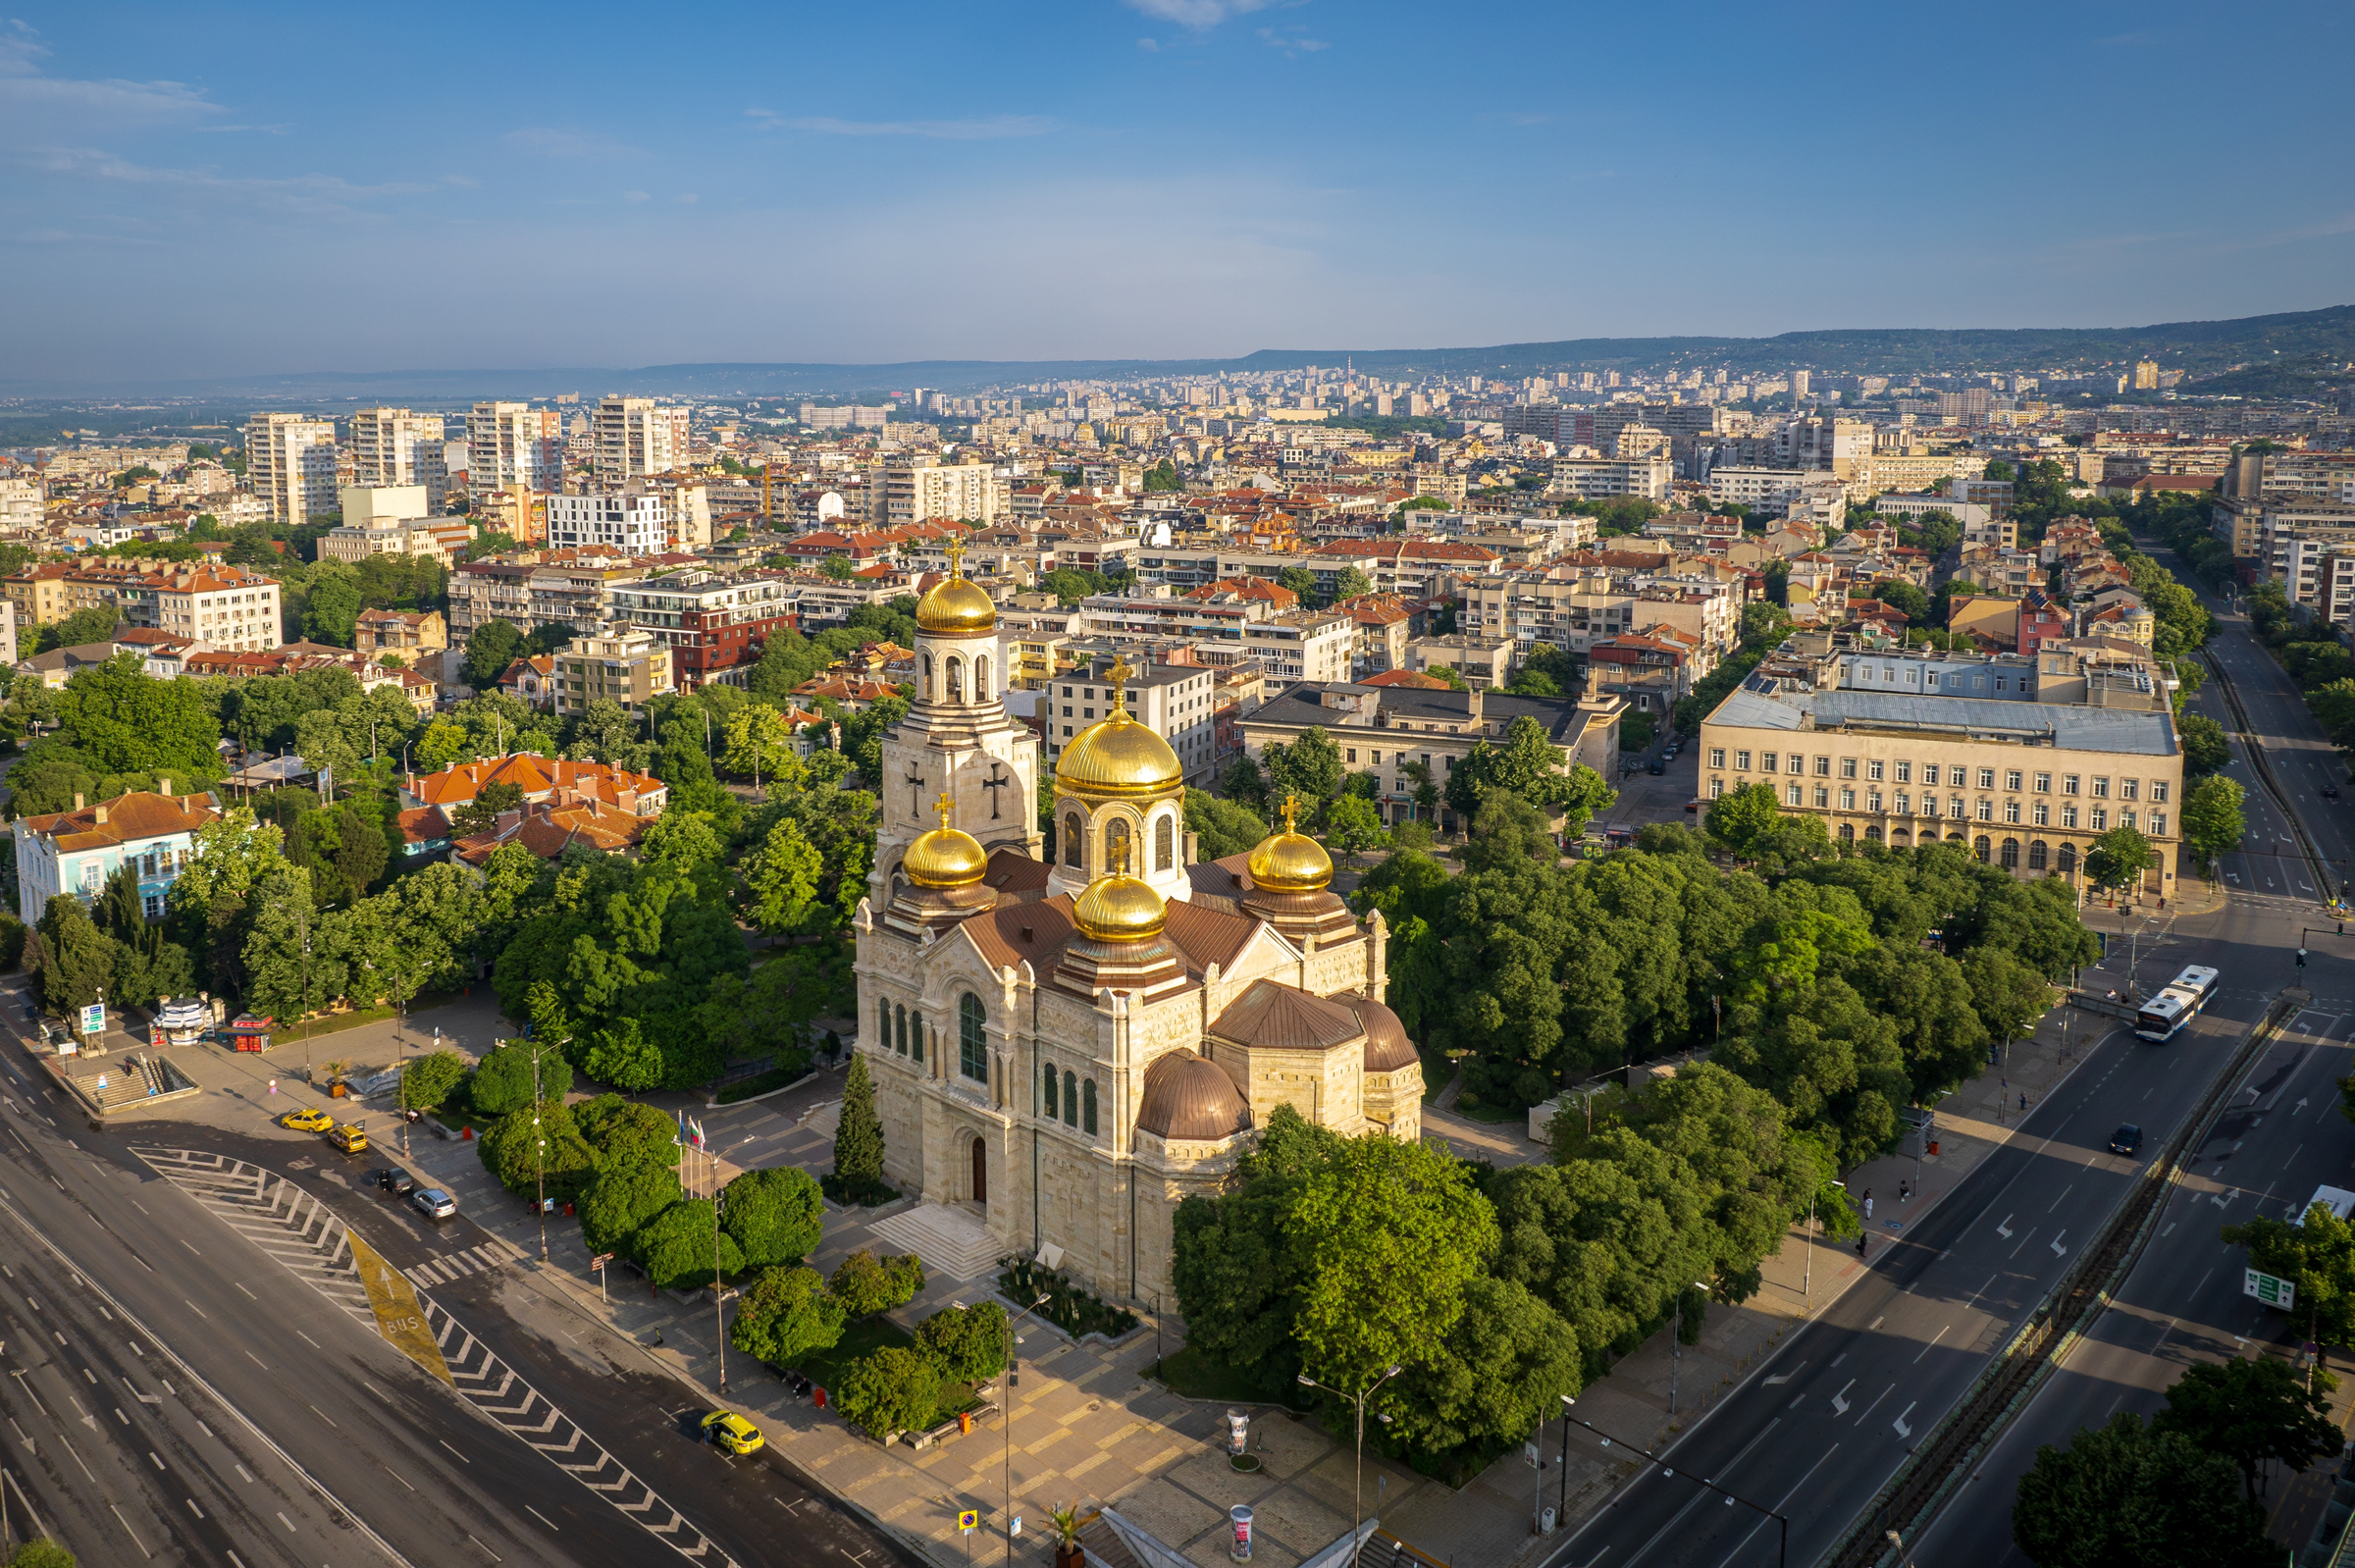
pixel 245 187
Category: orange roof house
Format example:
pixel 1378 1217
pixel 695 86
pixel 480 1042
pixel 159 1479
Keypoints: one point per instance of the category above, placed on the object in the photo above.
pixel 543 780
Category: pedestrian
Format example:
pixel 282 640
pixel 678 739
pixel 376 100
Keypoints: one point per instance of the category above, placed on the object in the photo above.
pixel 1861 1239
pixel 1904 1191
pixel 2024 1102
pixel 1869 1203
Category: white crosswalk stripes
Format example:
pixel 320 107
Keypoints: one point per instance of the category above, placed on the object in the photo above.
pixel 290 1225
pixel 474 1260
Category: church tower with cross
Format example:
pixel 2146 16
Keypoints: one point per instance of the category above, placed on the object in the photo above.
pixel 957 742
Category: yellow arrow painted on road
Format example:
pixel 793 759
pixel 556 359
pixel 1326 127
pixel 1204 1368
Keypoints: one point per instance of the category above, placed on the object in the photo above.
pixel 400 1315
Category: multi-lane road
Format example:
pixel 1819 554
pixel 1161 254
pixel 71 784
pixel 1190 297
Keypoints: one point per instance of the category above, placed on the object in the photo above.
pixel 1822 1424
pixel 214 1349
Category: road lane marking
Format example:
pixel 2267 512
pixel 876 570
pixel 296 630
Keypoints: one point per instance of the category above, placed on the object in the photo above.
pixel 2000 1227
pixel 1877 1323
pixel 132 1534
pixel 1904 1431
pixel 288 1523
pixel 2023 1241
pixel 550 1523
pixel 1743 1542
pixel 2057 1244
pixel 1932 1346
pixel 1840 1400
pixel 2064 1192
pixel 398 1476
pixel 1876 1402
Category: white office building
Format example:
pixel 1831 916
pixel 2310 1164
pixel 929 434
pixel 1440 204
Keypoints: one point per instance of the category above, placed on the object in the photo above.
pixel 631 520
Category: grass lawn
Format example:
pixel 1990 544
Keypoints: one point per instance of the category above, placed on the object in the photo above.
pixel 1194 1375
pixel 828 1368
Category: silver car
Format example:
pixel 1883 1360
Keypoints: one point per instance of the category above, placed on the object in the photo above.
pixel 433 1203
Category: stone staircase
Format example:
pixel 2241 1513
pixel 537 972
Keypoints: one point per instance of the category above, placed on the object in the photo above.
pixel 953 1243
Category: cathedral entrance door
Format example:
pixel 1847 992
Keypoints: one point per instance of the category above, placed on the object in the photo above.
pixel 980 1172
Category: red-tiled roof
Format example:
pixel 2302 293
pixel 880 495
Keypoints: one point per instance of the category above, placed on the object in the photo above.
pixel 127 818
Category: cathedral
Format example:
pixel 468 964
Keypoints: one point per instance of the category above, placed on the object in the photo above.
pixel 1067 1048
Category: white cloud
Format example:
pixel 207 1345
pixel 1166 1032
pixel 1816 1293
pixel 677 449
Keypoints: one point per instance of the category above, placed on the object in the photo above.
pixel 316 196
pixel 994 127
pixel 636 196
pixel 1292 41
pixel 27 92
pixel 1198 14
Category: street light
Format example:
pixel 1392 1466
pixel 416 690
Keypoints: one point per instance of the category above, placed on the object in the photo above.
pixel 1676 1345
pixel 1358 1493
pixel 1013 1374
pixel 1782 1551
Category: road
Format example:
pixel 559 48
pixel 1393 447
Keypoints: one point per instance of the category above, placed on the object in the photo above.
pixel 189 1383
pixel 1830 1415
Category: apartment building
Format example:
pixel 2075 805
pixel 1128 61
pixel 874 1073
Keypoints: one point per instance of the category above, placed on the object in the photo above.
pixel 482 592
pixel 290 463
pixel 628 666
pixel 919 487
pixel 2294 557
pixel 2313 476
pixel 2023 784
pixel 513 447
pixel 1383 729
pixel 1645 478
pixel 634 436
pixel 1480 663
pixel 410 634
pixel 716 624
pixel 394 446
pixel 21 503
pixel 1175 702
pixel 632 520
pixel 1302 645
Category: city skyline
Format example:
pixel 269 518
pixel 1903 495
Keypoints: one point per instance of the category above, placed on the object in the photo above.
pixel 1165 179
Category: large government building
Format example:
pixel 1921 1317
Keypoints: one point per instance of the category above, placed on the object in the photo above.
pixel 1068 1047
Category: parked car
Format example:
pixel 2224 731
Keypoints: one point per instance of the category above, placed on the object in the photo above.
pixel 308 1119
pixel 1656 769
pixel 350 1137
pixel 2127 1140
pixel 2330 792
pixel 400 1184
pixel 433 1203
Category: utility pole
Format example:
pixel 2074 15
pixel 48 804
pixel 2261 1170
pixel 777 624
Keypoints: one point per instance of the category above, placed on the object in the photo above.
pixel 540 1150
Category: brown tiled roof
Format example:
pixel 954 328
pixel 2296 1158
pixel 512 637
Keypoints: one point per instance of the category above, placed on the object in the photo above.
pixel 999 933
pixel 142 815
pixel 1286 1017
pixel 1207 936
pixel 535 775
pixel 1190 1096
pixel 425 824
pixel 1406 677
pixel 1388 1049
pixel 1012 872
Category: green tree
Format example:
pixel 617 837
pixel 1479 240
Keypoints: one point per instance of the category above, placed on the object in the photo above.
pixel 42 1553
pixel 494 646
pixel 1350 583
pixel 2316 1254
pixel 1745 821
pixel 539 1149
pixel 80 958
pixel 1353 826
pixel 2117 859
pixel 1308 768
pixel 80 629
pixel 1500 1371
pixel 232 853
pixel 781 880
pixel 331 610
pixel 2251 1412
pixel 1509 835
pixel 621 1201
pixel 1301 580
pixel 2205 747
pixel 2126 1493
pixel 2008 994
pixel 126 721
pixel 786 1314
pixel 2212 820
pixel 1222 827
pixel 867 1286
pixel 760 741
pixel 1899 594
pixel 891 1391
pixel 837 570
pixel 621 1055
pixel 859 1134
pixel 428 1081
pixel 504 1081
pixel 964 1343
pixel 775 1215
pixel 625 1133
pixel 676 1248
pixel 605 733
pixel 1243 781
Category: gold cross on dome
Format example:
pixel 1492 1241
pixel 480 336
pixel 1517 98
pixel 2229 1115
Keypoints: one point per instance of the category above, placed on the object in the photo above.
pixel 1117 675
pixel 943 807
pixel 956 555
pixel 1292 804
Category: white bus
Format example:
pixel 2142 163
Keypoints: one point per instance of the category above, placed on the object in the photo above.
pixel 2163 1016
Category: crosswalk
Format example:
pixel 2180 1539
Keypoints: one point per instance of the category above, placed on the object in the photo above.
pixel 457 1265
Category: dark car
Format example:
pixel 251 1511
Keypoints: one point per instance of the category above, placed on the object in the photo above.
pixel 1657 768
pixel 400 1184
pixel 2127 1140
pixel 2330 792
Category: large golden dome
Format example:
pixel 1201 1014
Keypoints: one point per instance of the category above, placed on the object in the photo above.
pixel 956 607
pixel 945 856
pixel 1120 909
pixel 1290 861
pixel 1118 756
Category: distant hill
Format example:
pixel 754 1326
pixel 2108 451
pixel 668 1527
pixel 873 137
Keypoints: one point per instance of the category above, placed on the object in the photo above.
pixel 2315 339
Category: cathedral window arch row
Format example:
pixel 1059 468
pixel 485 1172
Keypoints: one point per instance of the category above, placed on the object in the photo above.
pixel 973 1038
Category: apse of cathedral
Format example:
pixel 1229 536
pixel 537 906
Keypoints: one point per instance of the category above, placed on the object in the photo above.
pixel 1067 1049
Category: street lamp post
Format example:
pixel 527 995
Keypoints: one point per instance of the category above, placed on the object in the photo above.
pixel 1358 1486
pixel 540 1152
pixel 1782 1549
pixel 1676 1345
pixel 1013 1374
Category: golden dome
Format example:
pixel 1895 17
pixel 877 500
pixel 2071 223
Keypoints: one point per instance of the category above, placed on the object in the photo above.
pixel 945 856
pixel 1120 909
pixel 957 608
pixel 1119 755
pixel 1290 861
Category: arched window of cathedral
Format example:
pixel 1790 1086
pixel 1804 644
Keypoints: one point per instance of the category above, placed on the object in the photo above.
pixel 981 678
pixel 1071 1099
pixel 1164 844
pixel 1116 846
pixel 882 1023
pixel 899 1040
pixel 1047 1073
pixel 956 669
pixel 927 677
pixel 1087 1107
pixel 916 1036
pixel 1073 833
pixel 973 1043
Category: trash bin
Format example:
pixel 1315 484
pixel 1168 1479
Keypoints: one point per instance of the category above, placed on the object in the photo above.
pixel 568 1211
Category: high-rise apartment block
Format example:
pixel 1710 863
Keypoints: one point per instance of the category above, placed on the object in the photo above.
pixel 290 463
pixel 920 488
pixel 634 521
pixel 513 447
pixel 394 446
pixel 634 436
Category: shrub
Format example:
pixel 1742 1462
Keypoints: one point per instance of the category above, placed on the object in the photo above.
pixel 891 1391
pixel 676 1248
pixel 428 1081
pixel 622 1200
pixel 865 1286
pixel 776 1215
pixel 966 1343
pixel 504 1082
pixel 785 1315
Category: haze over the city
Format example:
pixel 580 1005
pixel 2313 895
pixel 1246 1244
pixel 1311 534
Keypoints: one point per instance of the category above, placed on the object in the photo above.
pixel 198 193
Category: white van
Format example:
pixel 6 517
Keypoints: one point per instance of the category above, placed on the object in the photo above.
pixel 2339 1200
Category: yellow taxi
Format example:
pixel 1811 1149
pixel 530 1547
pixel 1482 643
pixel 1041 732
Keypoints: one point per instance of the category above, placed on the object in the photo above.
pixel 730 1432
pixel 312 1119
pixel 351 1139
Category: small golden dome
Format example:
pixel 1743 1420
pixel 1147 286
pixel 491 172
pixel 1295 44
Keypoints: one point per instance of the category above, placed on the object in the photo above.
pixel 956 608
pixel 1119 755
pixel 945 856
pixel 1120 909
pixel 1290 861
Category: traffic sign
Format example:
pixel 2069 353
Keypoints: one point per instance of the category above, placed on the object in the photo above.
pixel 2272 1291
pixel 969 1519
pixel 93 1019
